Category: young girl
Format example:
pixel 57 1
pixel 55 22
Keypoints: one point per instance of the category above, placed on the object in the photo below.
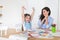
pixel 45 20
pixel 27 18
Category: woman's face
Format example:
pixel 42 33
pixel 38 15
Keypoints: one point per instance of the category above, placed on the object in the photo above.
pixel 45 13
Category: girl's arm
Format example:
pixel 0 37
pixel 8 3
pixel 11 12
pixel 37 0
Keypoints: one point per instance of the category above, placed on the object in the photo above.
pixel 23 13
pixel 33 10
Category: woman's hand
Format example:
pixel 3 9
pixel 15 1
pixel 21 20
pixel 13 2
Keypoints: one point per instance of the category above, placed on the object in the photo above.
pixel 46 22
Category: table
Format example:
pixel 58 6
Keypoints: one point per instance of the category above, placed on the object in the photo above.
pixel 30 38
pixel 55 38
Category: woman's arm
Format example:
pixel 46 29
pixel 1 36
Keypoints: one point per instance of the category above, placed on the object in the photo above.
pixel 46 22
pixel 33 10
pixel 48 25
pixel 46 19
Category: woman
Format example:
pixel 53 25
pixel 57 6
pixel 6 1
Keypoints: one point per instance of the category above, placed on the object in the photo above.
pixel 45 21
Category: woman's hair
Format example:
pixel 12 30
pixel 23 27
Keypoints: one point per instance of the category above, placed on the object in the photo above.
pixel 42 16
pixel 25 15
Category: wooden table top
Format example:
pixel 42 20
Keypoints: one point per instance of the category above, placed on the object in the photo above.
pixel 55 38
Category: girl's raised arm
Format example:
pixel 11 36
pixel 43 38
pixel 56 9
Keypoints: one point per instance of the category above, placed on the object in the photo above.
pixel 23 13
pixel 33 10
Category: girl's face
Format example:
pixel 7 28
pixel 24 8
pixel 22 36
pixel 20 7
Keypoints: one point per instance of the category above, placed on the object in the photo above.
pixel 45 13
pixel 27 18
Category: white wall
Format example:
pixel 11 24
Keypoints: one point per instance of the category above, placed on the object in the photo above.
pixel 12 10
pixel 59 17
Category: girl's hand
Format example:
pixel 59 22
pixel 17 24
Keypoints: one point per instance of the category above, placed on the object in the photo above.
pixel 33 9
pixel 23 8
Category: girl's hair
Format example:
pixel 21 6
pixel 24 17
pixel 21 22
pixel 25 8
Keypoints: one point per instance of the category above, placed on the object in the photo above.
pixel 42 16
pixel 27 15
